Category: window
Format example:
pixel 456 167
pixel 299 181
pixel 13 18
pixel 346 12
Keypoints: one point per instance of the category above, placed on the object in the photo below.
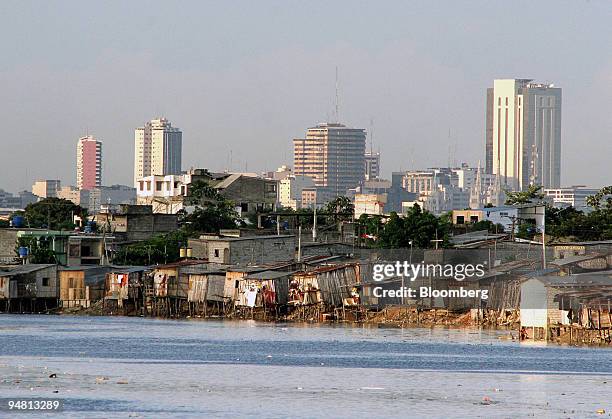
pixel 473 218
pixel 244 207
pixel 74 250
pixel 217 253
pixel 86 251
pixel 45 282
pixel 460 219
pixel 158 185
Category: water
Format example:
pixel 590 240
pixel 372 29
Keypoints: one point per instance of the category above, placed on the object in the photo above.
pixel 132 367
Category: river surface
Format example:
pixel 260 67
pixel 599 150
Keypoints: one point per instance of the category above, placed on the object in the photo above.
pixel 134 367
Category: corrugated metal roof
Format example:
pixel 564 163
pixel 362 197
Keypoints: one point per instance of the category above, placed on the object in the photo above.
pixel 227 181
pixel 128 269
pixel 26 269
pixel 577 281
pixel 268 275
pixel 235 239
pixel 575 259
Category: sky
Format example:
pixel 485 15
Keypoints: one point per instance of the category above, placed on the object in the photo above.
pixel 243 78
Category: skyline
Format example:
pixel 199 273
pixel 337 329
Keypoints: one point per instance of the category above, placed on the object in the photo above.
pixel 73 69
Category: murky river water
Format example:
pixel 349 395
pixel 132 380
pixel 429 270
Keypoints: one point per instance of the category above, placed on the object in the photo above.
pixel 133 367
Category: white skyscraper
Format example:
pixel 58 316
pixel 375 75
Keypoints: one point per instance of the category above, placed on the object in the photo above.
pixel 157 149
pixel 523 138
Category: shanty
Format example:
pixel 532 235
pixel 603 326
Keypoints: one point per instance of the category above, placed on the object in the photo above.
pixel 29 288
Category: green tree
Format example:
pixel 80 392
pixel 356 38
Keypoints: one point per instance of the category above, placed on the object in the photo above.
pixel 39 249
pixel 211 217
pixel 420 227
pixel 576 225
pixel 340 208
pixel 201 192
pixel 525 197
pixel 605 195
pixel 164 248
pixel 53 213
pixel 487 225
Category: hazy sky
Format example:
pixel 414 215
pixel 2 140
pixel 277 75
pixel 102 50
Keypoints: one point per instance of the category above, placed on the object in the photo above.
pixel 248 76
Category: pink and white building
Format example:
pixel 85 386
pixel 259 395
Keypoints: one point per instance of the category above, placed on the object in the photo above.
pixel 89 163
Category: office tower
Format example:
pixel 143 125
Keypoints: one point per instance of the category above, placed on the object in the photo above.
pixel 157 149
pixel 372 165
pixel 333 155
pixel 523 133
pixel 489 133
pixel 89 163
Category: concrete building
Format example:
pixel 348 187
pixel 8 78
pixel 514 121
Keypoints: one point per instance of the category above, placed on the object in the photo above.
pixel 93 199
pixel 69 248
pixel 75 195
pixel 372 165
pixel 510 216
pixel 397 193
pixel 497 215
pixel 311 198
pixel 249 194
pixel 281 173
pixel 523 133
pixel 572 196
pixel 27 198
pixel 89 163
pixel 372 204
pixel 436 190
pixel 249 250
pixel 46 188
pixel 442 189
pixel 157 149
pixel 290 190
pixel 168 194
pixel 171 193
pixel 165 193
pixel 8 200
pixel 333 155
pixel 135 222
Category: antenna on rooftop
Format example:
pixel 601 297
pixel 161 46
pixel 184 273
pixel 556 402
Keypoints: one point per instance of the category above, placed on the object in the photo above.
pixel 450 151
pixel 337 99
pixel 371 136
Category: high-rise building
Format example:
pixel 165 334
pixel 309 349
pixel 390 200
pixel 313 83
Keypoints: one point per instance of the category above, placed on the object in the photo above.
pixel 89 163
pixel 333 155
pixel 290 190
pixel 523 133
pixel 157 149
pixel 372 165
pixel 46 188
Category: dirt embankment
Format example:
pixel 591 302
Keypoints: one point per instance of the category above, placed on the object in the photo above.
pixel 402 316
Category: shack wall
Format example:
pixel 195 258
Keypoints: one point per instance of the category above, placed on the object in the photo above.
pixel 72 285
pixel 534 303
